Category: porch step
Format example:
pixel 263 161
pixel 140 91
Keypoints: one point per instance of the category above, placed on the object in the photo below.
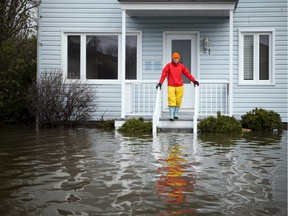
pixel 182 115
pixel 184 123
pixel 166 125
pixel 177 125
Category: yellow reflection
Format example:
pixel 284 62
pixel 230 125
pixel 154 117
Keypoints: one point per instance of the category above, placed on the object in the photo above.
pixel 172 184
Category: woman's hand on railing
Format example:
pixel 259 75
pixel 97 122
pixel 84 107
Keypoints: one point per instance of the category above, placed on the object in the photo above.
pixel 158 86
pixel 196 83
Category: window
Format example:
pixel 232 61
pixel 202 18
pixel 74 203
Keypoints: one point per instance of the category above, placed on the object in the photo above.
pixel 73 71
pixel 131 57
pixel 255 58
pixel 95 57
pixel 101 57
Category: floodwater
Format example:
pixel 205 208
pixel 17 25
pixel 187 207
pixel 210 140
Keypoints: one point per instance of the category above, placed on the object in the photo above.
pixel 92 172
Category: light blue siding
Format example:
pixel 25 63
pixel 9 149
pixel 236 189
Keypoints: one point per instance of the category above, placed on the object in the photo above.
pixel 270 15
pixel 105 16
pixel 56 16
pixel 213 66
pixel 108 102
pixel 83 16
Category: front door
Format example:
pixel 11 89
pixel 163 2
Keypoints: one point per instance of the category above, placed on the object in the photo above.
pixel 186 44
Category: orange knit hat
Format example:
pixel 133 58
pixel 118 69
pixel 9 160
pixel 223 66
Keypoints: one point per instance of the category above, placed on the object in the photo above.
pixel 175 55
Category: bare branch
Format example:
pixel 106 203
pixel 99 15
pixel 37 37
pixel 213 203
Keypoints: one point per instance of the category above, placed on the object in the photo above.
pixel 16 18
pixel 56 102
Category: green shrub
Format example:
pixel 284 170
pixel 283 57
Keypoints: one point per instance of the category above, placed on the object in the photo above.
pixel 261 119
pixel 17 72
pixel 221 124
pixel 134 125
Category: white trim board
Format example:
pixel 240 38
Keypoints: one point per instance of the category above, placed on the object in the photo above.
pixel 176 6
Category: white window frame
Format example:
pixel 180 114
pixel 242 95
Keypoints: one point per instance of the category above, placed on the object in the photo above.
pixel 64 56
pixel 256 33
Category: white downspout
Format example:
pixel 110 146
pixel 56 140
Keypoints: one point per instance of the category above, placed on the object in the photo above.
pixel 39 44
pixel 39 48
pixel 123 64
pixel 231 63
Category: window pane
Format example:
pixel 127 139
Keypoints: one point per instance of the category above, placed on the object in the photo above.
pixel 102 57
pixel 248 57
pixel 264 57
pixel 131 57
pixel 183 47
pixel 73 57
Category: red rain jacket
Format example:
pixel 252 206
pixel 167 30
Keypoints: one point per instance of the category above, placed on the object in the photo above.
pixel 174 73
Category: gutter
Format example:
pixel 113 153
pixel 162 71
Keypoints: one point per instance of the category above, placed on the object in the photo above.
pixel 236 4
pixel 39 44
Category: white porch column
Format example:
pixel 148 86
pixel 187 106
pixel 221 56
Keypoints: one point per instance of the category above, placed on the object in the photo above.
pixel 123 64
pixel 231 26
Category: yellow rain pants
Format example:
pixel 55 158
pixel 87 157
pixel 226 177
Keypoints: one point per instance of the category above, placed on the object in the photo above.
pixel 175 95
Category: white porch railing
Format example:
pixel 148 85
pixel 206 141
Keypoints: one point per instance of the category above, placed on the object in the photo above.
pixel 141 96
pixel 213 97
pixel 143 99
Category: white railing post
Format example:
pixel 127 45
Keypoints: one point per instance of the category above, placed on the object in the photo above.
pixel 230 96
pixel 196 111
pixel 156 114
pixel 129 98
pixel 123 66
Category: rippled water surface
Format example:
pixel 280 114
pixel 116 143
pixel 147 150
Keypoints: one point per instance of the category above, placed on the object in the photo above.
pixel 91 172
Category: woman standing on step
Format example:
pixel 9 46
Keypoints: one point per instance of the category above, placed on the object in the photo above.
pixel 174 71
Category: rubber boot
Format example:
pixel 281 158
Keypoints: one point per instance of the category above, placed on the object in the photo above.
pixel 171 112
pixel 176 112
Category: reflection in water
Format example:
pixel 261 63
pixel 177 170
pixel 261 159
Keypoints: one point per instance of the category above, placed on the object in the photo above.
pixel 92 172
pixel 174 183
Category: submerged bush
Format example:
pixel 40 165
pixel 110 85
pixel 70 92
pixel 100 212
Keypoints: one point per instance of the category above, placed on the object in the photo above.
pixel 134 125
pixel 261 119
pixel 221 124
pixel 106 124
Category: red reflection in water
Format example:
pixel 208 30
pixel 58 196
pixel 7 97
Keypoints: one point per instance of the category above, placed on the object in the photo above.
pixel 172 184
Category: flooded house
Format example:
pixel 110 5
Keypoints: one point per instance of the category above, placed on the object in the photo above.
pixel 236 49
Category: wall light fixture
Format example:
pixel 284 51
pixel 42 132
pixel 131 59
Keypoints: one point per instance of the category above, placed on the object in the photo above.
pixel 206 46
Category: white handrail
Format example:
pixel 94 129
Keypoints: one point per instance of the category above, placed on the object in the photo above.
pixel 157 112
pixel 140 81
pixel 212 81
pixel 196 110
